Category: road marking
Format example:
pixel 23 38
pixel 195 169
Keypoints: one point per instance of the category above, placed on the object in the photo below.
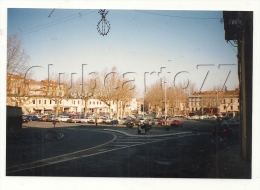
pixel 127 142
pixel 136 139
pixel 104 148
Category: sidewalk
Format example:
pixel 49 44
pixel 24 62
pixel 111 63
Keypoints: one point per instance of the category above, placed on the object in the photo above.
pixel 230 164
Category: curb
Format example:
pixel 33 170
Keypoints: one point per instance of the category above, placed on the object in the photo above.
pixel 162 135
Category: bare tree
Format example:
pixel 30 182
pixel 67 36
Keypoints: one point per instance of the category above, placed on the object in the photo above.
pixel 17 59
pixel 112 87
pixel 176 98
pixel 154 96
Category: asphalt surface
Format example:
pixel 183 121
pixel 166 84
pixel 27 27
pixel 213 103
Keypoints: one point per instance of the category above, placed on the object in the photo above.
pixel 225 161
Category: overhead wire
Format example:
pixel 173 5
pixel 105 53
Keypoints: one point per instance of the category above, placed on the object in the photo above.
pixel 53 23
pixel 56 22
pixel 182 17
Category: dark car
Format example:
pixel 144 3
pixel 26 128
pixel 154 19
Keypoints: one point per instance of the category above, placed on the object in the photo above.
pixel 33 118
pixel 129 123
pixel 114 122
pixel 221 129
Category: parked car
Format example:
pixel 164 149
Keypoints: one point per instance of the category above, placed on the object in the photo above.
pixel 195 117
pixel 114 122
pixel 177 123
pixel 52 118
pixel 108 120
pixel 137 121
pixel 70 120
pixel 62 118
pixel 212 117
pixel 33 118
pixel 83 119
pixel 129 122
pixel 154 122
pixel 25 119
pixel 93 120
pixel 221 129
pixel 43 118
pixel 231 123
pixel 162 122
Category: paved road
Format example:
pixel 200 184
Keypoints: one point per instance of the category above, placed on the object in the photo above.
pixel 92 152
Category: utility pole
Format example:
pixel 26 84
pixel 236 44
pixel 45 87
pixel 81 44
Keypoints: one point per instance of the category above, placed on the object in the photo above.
pixel 165 112
pixel 48 78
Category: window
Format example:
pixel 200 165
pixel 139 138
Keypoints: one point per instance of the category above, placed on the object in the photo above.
pixel 93 102
pixel 231 100
pixel 50 101
pixel 33 101
pixel 224 107
pixel 231 107
pixel 90 102
pixel 78 101
pixel 44 101
pixel 39 101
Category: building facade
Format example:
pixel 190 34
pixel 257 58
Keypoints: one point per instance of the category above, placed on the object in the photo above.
pixel 48 96
pixel 215 103
pixel 238 26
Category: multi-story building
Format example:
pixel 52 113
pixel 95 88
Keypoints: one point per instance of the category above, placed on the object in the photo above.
pixel 215 102
pixel 49 96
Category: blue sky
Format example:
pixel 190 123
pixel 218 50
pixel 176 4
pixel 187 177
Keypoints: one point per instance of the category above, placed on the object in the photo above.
pixel 139 41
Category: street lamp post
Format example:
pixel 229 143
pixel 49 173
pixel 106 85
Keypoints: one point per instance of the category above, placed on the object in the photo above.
pixel 59 80
pixel 82 87
pixel 82 79
pixel 71 80
pixel 58 101
pixel 48 78
pixel 217 102
pixel 144 90
pixel 165 112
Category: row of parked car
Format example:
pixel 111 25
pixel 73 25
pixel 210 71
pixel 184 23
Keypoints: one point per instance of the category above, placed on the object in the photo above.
pixel 153 122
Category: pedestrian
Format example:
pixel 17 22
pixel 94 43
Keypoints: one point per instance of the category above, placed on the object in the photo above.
pixel 54 123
